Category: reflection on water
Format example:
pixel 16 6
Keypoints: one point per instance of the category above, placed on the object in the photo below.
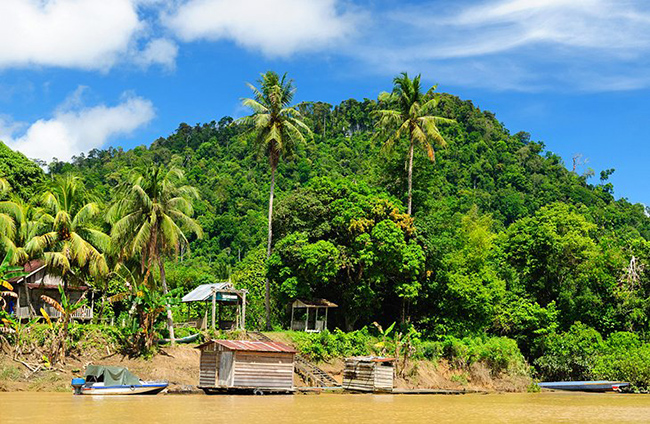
pixel 304 409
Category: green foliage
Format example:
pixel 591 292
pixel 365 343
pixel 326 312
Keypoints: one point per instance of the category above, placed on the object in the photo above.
pixel 23 175
pixel 336 344
pixel 569 355
pixel 500 354
pixel 504 241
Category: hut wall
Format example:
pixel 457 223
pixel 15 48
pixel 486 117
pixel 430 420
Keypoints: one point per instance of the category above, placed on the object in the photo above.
pixel 383 377
pixel 367 376
pixel 208 369
pixel 273 370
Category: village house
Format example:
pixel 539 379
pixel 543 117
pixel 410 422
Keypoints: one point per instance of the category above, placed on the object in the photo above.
pixel 37 282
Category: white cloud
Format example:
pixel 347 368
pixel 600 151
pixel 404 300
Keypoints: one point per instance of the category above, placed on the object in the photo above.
pixel 276 28
pixel 74 128
pixel 159 51
pixel 80 34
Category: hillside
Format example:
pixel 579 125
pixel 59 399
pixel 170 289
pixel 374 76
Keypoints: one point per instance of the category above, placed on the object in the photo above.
pixel 505 240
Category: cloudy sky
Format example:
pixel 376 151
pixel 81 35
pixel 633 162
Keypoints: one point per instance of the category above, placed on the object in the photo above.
pixel 83 74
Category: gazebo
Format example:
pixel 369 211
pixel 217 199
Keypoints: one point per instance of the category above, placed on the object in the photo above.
pixel 220 294
pixel 310 315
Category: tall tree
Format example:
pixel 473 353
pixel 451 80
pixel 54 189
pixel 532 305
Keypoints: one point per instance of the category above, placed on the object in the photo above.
pixel 71 239
pixel 278 128
pixel 410 116
pixel 151 219
pixel 71 244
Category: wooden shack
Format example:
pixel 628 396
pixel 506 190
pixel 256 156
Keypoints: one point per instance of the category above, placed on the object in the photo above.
pixel 232 365
pixel 368 374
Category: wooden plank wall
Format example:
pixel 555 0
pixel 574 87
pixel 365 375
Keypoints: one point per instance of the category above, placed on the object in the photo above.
pixel 263 369
pixel 367 376
pixel 383 377
pixel 208 369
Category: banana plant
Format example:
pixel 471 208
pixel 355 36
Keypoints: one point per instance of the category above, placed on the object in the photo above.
pixel 146 306
pixel 7 271
pixel 66 308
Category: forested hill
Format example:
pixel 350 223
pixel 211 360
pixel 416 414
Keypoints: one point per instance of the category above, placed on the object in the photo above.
pixel 505 239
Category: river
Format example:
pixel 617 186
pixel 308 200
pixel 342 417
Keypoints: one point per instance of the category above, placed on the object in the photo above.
pixel 24 407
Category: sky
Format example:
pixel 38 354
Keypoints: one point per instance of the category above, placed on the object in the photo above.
pixel 82 74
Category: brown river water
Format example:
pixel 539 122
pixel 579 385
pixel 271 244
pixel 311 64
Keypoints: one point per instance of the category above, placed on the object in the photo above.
pixel 23 407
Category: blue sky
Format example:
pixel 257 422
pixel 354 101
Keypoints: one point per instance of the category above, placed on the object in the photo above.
pixel 76 75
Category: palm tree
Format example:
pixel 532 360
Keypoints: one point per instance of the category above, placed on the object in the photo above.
pixel 278 127
pixel 151 219
pixel 18 224
pixel 410 117
pixel 70 239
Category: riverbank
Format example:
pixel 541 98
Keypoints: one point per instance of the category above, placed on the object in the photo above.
pixel 180 366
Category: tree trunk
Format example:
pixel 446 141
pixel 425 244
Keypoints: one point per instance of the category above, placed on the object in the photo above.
pixel 170 319
pixel 267 294
pixel 410 176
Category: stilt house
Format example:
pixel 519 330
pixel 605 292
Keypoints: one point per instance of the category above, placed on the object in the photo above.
pixel 228 365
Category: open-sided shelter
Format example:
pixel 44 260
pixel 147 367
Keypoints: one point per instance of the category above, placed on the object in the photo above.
pixel 310 315
pixel 246 365
pixel 219 295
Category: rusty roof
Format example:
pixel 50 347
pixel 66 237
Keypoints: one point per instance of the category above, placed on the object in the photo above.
pixel 252 346
pixel 29 268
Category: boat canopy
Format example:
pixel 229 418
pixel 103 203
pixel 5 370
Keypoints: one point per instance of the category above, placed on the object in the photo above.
pixel 112 376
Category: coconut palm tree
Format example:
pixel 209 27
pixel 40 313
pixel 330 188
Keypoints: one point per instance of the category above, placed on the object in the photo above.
pixel 278 127
pixel 18 224
pixel 410 116
pixel 151 219
pixel 68 237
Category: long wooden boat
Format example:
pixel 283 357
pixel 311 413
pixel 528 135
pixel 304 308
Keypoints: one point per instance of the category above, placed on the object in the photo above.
pixel 104 380
pixel 585 386
pixel 187 339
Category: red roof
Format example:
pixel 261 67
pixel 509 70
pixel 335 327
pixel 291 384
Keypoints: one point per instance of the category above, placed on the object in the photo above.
pixel 29 268
pixel 252 346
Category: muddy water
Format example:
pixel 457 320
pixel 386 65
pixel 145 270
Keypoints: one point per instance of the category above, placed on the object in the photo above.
pixel 498 408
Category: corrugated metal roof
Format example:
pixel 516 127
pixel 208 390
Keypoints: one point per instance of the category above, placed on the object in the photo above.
pixel 252 346
pixel 204 292
pixel 370 359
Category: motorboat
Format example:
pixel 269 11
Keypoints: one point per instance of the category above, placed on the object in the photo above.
pixel 108 380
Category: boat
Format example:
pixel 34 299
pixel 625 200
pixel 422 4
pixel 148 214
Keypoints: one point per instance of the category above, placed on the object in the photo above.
pixel 105 380
pixel 187 339
pixel 585 386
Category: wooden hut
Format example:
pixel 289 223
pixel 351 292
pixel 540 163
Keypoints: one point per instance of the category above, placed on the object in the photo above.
pixel 229 365
pixel 37 282
pixel 368 374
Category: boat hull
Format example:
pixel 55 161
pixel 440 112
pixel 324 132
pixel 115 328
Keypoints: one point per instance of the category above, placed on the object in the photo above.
pixel 584 386
pixel 141 389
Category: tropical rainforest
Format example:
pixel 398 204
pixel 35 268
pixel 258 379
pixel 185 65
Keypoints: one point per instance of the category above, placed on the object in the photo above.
pixel 416 207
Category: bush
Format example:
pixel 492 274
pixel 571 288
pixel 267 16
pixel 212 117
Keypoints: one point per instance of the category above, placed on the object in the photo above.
pixel 327 345
pixel 570 355
pixel 500 354
pixel 624 357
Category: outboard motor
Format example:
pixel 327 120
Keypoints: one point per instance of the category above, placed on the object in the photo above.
pixel 77 384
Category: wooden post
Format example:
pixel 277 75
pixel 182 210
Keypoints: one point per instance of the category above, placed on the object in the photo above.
pixel 214 306
pixel 307 319
pixel 243 311
pixel 325 324
pixel 293 308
